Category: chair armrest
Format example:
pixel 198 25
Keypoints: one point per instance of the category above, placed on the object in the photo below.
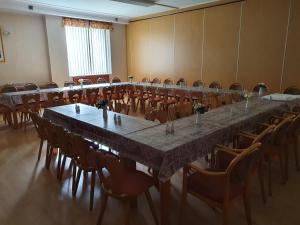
pixel 247 135
pixel 264 124
pixel 194 168
pixel 227 149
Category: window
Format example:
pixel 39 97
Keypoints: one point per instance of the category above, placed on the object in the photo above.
pixel 89 50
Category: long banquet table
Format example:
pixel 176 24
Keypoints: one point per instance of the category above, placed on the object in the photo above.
pixel 146 142
pixel 13 99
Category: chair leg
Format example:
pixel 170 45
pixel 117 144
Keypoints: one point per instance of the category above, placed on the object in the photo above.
pixel 62 167
pixel 40 149
pixel 261 182
pixel 127 212
pixel 225 216
pixel 58 164
pixel 49 156
pixel 182 206
pixel 286 163
pixel 150 203
pixel 247 207
pixel 76 182
pixel 74 170
pixel 281 163
pixel 102 208
pixel 92 190
pixel 270 177
pixel 296 153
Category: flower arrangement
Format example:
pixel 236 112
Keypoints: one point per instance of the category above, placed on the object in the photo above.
pixel 130 78
pixel 200 108
pixel 102 104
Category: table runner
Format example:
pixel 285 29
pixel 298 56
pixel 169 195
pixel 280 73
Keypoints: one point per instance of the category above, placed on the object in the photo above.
pixel 148 143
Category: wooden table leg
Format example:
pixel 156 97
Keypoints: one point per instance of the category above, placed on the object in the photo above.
pixel 165 195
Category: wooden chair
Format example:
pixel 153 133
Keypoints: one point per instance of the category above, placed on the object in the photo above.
pixel 225 182
pixel 198 83
pixel 38 123
pixel 118 94
pixel 30 103
pixel 30 87
pixel 166 99
pixel 91 96
pixel 122 108
pixel 69 83
pixel 107 92
pixel 224 99
pixel 168 81
pixel 123 184
pixel 293 90
pixel 264 135
pixel 132 96
pixel 86 159
pixel 116 80
pixel 161 115
pixel 236 87
pixel 74 96
pixel 8 88
pixel 55 99
pixel 154 98
pixel 195 96
pixel 211 100
pixel 87 81
pixel 180 96
pixel 215 84
pixel 6 114
pixel 142 98
pixel 156 81
pixel 184 109
pixel 278 148
pixel 150 113
pixel 172 113
pixel 101 80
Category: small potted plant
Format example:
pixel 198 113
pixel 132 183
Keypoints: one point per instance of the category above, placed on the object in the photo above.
pixel 130 78
pixel 102 104
pixel 199 109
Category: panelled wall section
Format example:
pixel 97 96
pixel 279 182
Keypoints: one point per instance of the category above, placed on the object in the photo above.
pixel 248 42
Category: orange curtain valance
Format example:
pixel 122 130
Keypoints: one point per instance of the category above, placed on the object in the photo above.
pixel 87 23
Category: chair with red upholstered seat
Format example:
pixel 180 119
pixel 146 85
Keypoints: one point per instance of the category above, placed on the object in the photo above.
pixel 220 185
pixel 123 184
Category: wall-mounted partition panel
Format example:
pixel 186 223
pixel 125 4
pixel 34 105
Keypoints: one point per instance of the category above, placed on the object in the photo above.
pixel 188 45
pixel 221 38
pixel 263 34
pixel 162 47
pixel 138 41
pixel 291 75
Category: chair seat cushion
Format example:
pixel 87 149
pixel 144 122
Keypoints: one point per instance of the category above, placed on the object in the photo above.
pixel 212 188
pixel 131 183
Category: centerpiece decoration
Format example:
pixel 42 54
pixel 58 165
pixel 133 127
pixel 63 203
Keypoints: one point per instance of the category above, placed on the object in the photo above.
pixel 81 82
pixel 262 89
pixel 102 104
pixel 130 78
pixel 247 95
pixel 199 109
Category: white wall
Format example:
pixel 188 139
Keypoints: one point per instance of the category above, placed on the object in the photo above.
pixel 25 49
pixel 36 49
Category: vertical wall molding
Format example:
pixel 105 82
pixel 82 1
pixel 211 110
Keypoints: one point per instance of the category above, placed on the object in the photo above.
pixel 151 52
pixel 203 41
pixel 239 43
pixel 285 45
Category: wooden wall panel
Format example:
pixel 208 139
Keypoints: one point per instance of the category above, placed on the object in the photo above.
pixel 162 47
pixel 222 25
pixel 292 65
pixel 262 42
pixel 188 45
pixel 139 46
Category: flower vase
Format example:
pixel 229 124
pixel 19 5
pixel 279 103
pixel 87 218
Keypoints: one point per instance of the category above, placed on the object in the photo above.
pixel 198 118
pixel 247 103
pixel 104 114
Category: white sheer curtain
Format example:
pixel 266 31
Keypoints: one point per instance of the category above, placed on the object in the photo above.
pixel 89 51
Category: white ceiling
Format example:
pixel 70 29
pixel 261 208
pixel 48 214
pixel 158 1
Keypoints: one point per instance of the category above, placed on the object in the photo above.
pixel 95 9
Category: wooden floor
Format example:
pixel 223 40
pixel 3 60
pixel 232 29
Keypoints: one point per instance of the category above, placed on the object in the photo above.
pixel 31 195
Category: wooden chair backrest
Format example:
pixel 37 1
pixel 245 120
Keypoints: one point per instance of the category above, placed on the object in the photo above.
pixel 236 87
pixel 258 86
pixel 8 88
pixel 198 83
pixel 172 113
pixel 31 102
pixel 51 85
pixel 75 96
pixel 161 116
pixel 215 84
pixel 168 81
pixel 116 80
pixel 156 81
pixel 87 81
pixel 69 83
pixel 101 80
pixel 55 99
pixel 145 79
pixel 38 123
pixel 30 87
pixel 92 95
pixel 150 113
pixel 180 80
pixel 122 108
pixel 293 90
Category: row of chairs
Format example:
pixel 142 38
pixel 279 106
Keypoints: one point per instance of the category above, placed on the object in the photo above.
pixel 117 181
pixel 232 167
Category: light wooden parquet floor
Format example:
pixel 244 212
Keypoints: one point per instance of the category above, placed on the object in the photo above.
pixel 31 195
